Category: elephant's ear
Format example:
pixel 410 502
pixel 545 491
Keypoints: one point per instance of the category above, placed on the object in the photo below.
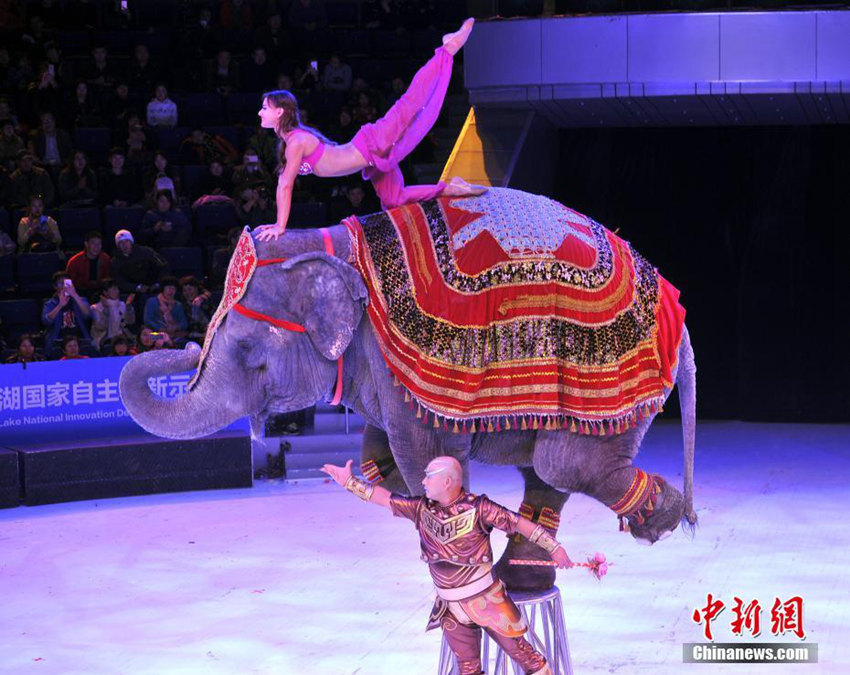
pixel 334 297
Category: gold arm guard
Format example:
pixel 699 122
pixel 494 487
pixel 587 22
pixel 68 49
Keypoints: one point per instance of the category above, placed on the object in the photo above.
pixel 544 540
pixel 360 488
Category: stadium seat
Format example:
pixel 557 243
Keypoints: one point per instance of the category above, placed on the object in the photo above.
pixel 120 218
pixel 342 13
pixel 95 142
pixel 74 42
pixel 391 43
pixel 310 214
pixel 353 42
pixel 159 42
pixel 7 274
pixel 193 180
pixel 116 42
pixel 20 316
pixel 74 224
pixel 242 107
pixel 168 139
pixel 184 260
pixel 214 219
pixel 35 271
pixel 200 109
pixel 229 133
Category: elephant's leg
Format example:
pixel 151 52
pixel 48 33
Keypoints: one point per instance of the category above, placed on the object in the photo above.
pixel 540 503
pixel 602 467
pixel 376 449
pixel 415 444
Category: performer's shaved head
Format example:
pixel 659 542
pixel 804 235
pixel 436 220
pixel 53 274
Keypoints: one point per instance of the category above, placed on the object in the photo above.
pixel 436 473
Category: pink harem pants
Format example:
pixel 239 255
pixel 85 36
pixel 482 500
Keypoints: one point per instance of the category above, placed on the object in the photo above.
pixel 385 143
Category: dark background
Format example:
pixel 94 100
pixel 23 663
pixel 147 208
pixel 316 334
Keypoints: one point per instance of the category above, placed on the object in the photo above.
pixel 751 224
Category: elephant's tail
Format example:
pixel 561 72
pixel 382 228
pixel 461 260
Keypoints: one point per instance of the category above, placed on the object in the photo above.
pixel 686 382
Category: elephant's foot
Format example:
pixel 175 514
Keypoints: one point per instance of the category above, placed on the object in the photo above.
pixel 525 577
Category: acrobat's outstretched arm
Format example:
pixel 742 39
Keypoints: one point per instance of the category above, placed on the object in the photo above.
pixel 366 491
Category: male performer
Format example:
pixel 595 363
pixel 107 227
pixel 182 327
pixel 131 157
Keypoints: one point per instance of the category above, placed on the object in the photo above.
pixel 454 530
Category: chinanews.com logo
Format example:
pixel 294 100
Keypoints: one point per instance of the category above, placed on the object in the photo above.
pixel 786 617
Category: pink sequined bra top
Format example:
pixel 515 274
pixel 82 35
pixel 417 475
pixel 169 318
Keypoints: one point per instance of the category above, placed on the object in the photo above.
pixel 308 162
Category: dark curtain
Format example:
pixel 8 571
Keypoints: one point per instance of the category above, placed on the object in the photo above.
pixel 753 226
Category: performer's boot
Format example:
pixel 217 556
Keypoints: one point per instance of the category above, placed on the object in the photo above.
pixel 458 187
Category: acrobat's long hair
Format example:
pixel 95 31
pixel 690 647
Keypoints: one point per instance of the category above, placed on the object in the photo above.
pixel 291 119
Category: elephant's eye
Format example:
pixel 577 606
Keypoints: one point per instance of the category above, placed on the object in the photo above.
pixel 244 345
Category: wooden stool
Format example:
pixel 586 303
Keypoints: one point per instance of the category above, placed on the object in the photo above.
pixel 544 615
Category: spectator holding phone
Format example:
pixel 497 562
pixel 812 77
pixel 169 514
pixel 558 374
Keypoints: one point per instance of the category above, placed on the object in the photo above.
pixel 64 314
pixel 37 232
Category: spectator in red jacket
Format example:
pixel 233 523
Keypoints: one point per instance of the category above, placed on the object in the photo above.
pixel 91 266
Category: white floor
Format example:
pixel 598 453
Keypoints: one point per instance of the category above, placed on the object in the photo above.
pixel 304 578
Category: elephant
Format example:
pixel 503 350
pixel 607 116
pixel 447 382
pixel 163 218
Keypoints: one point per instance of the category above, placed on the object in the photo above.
pixel 259 367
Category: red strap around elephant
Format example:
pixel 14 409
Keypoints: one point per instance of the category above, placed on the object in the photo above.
pixel 251 314
pixel 295 327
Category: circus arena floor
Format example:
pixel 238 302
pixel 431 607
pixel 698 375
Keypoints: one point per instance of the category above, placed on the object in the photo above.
pixel 305 579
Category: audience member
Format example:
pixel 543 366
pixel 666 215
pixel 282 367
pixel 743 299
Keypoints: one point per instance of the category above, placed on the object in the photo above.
pixel 28 180
pixel 99 72
pixel 65 313
pixel 196 306
pixel 199 147
pixel 161 111
pixel 217 181
pixel 77 183
pixel 119 104
pixel 121 346
pixel 7 246
pixel 222 256
pixel 143 75
pixel 150 339
pixel 342 129
pixel 223 76
pixel 119 187
pixel 257 73
pixel 163 312
pixel 255 208
pixel 307 15
pixel 136 141
pixel 264 143
pixel 251 174
pixel 26 352
pixel 365 111
pixel 307 76
pixel 164 225
pixel 271 36
pixel 51 145
pixel 161 176
pixel 236 15
pixel 136 268
pixel 71 349
pixel 88 268
pixel 353 202
pixel 37 232
pixel 10 143
pixel 111 316
pixel 337 75
pixel 81 110
pixel 42 95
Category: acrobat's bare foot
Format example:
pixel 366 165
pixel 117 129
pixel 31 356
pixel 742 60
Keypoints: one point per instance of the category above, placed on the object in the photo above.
pixel 458 187
pixel 454 41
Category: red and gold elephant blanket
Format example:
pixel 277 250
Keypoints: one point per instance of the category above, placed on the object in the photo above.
pixel 511 310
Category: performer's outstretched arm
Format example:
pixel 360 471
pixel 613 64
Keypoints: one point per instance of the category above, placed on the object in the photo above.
pixel 366 491
pixel 285 184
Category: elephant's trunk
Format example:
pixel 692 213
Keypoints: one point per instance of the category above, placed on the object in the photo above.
pixel 211 405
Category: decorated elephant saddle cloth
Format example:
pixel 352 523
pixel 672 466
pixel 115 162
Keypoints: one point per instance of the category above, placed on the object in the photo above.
pixel 510 310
